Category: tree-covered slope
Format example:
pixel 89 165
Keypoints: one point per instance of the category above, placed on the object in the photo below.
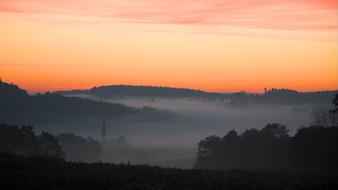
pixel 17 106
pixel 118 91
pixel 272 96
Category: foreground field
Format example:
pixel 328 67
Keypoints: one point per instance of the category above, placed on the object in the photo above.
pixel 18 172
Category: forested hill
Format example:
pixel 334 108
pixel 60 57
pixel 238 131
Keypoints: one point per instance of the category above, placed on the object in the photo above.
pixel 271 96
pixel 286 96
pixel 118 91
pixel 17 106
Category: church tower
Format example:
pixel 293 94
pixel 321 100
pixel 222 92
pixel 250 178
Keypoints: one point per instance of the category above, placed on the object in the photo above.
pixel 103 131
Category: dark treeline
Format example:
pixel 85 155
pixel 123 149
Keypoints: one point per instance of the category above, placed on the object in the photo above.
pixel 266 148
pixel 77 148
pixel 18 172
pixel 271 147
pixel 284 97
pixel 313 147
pixel 17 106
pixel 22 140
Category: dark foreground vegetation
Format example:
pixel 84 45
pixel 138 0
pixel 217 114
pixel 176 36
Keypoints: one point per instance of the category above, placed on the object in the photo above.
pixel 314 147
pixel 19 172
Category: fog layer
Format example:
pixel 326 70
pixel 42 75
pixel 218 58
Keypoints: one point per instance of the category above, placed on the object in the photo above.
pixel 174 142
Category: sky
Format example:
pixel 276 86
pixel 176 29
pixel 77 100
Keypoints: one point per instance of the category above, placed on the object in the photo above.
pixel 212 45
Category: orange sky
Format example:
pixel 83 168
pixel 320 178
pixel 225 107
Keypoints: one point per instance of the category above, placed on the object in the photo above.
pixel 212 45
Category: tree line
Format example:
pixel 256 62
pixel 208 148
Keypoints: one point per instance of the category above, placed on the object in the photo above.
pixel 22 140
pixel 313 147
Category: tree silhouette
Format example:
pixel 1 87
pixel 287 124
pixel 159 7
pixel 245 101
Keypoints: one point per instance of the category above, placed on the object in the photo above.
pixel 22 140
pixel 327 118
pixel 254 148
pixel 315 147
pixel 276 130
pixel 49 145
pixel 335 104
pixel 77 148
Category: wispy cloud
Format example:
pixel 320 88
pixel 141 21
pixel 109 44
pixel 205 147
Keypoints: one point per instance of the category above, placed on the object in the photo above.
pixel 268 14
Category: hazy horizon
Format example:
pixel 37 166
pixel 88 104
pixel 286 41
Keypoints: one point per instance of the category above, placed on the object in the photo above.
pixel 189 88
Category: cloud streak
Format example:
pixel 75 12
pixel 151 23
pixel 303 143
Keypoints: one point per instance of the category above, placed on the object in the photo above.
pixel 268 14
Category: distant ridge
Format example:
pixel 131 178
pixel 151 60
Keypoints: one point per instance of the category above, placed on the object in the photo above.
pixel 271 96
pixel 141 91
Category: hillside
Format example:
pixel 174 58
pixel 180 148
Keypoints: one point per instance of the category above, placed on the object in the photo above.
pixel 285 97
pixel 272 96
pixel 118 91
pixel 17 106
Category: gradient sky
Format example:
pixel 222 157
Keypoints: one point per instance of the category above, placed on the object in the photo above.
pixel 213 45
